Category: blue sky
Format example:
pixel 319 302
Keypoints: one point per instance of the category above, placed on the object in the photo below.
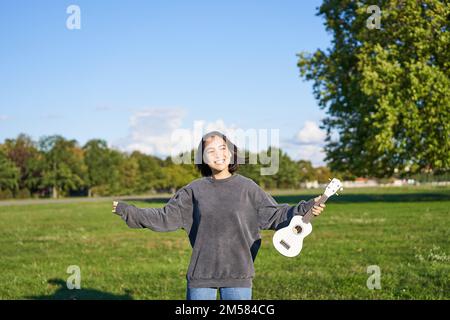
pixel 138 69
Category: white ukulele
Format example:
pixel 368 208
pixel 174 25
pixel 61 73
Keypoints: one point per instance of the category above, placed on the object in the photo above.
pixel 289 240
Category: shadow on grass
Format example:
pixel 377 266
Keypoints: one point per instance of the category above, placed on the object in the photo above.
pixel 359 198
pixel 344 198
pixel 63 293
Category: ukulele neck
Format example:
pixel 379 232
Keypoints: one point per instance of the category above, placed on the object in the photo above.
pixel 309 215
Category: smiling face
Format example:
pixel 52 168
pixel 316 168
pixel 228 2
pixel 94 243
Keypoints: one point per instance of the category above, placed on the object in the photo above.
pixel 217 154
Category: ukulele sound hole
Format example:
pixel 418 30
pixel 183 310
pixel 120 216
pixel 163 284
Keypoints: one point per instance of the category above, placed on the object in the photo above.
pixel 297 229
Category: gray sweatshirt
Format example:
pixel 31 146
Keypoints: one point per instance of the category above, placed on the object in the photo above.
pixel 223 219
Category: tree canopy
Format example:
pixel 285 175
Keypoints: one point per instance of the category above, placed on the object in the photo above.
pixel 386 91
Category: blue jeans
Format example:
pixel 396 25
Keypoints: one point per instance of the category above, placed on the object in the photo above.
pixel 225 293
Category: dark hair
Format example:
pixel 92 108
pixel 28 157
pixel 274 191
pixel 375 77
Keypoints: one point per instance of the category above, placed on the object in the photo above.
pixel 203 167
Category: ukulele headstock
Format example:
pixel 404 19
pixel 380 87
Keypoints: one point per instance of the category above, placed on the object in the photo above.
pixel 333 187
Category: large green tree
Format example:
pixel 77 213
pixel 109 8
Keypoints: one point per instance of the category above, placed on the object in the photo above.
pixel 386 91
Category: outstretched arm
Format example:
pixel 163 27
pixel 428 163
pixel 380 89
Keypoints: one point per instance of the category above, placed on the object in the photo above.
pixel 168 218
pixel 272 215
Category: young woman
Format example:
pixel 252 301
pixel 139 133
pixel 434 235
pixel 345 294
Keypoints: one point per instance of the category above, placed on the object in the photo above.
pixel 222 213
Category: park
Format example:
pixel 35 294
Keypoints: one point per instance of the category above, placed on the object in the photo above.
pixel 98 150
pixel 403 230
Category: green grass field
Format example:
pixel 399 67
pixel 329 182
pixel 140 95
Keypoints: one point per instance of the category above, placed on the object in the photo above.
pixel 403 231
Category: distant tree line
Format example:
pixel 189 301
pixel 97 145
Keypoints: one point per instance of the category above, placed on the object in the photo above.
pixel 54 167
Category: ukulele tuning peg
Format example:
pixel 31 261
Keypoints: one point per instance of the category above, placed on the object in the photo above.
pixel 341 189
pixel 337 193
pixel 329 179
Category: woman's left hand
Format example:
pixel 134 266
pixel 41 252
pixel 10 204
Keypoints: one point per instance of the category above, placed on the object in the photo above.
pixel 114 206
pixel 318 208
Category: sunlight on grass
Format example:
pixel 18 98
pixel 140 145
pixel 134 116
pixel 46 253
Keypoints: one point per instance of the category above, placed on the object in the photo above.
pixel 408 240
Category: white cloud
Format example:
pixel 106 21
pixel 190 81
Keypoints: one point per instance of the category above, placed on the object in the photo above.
pixel 311 134
pixel 313 153
pixel 307 144
pixel 3 117
pixel 159 131
pixel 151 130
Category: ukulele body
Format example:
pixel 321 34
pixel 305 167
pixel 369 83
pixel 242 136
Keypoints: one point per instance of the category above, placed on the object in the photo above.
pixel 289 240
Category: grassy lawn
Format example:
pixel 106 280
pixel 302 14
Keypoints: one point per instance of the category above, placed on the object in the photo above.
pixel 403 231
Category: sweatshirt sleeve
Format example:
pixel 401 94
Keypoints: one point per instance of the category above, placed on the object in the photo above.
pixel 169 218
pixel 274 216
